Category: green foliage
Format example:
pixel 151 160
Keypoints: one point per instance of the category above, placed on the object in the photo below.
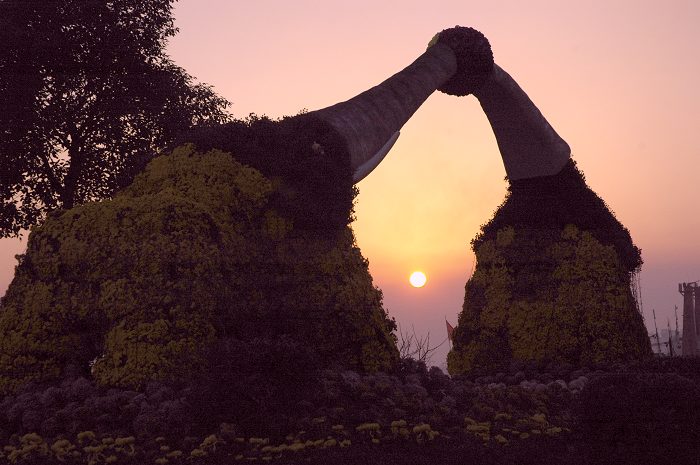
pixel 552 202
pixel 89 95
pixel 306 159
pixel 549 292
pixel 192 252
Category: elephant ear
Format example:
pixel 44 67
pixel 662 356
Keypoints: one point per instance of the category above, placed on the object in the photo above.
pixel 370 122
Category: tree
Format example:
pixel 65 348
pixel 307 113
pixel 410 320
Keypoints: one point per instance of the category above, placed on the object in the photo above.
pixel 89 96
pixel 414 347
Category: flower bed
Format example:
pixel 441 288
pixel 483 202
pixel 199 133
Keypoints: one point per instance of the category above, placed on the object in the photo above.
pixel 414 415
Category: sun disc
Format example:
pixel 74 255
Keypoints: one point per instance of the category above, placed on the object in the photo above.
pixel 417 279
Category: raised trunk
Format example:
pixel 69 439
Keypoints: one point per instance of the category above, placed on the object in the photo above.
pixel 370 122
pixel 530 147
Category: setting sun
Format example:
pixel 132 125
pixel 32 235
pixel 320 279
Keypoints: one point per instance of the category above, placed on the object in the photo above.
pixel 417 279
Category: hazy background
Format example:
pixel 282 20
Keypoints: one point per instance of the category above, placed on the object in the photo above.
pixel 616 79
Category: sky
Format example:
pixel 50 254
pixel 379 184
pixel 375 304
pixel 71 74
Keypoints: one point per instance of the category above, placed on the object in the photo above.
pixel 616 79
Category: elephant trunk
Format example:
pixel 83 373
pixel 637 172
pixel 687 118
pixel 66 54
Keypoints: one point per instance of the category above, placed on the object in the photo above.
pixel 529 146
pixel 370 122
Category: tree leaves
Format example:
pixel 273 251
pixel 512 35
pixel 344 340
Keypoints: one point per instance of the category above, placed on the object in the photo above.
pixel 89 96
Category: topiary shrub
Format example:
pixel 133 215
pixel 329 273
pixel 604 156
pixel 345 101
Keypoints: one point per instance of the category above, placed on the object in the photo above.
pixel 304 157
pixel 199 248
pixel 552 282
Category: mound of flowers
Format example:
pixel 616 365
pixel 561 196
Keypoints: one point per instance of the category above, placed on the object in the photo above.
pixel 521 414
pixel 552 282
pixel 196 252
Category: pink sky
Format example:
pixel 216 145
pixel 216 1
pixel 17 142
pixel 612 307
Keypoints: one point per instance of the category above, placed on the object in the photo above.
pixel 617 80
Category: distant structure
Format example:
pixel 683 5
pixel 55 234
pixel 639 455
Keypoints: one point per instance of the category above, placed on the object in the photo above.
pixel 656 333
pixel 669 343
pixel 691 319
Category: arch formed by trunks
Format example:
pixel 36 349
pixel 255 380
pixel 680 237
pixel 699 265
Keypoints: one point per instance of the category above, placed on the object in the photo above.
pixel 266 205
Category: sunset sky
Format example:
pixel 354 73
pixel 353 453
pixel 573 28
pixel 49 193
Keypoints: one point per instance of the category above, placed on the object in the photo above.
pixel 618 80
